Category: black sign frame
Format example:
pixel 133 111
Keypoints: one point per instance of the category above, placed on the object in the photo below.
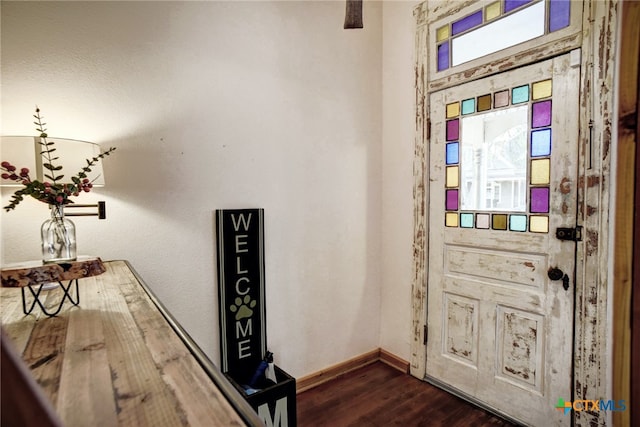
pixel 241 290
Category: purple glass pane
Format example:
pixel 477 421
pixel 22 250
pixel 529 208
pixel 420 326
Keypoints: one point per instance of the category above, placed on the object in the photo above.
pixel 443 56
pixel 466 23
pixel 452 200
pixel 509 5
pixel 540 200
pixel 559 13
pixel 541 114
pixel 453 129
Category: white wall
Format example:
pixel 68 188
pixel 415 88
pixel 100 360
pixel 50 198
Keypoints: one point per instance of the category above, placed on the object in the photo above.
pixel 224 105
pixel 398 98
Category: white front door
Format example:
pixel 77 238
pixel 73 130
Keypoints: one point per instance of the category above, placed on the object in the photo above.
pixel 503 166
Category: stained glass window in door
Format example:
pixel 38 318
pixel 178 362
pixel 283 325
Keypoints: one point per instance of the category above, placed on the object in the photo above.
pixel 497 156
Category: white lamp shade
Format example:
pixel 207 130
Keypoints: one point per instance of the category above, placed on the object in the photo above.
pixel 72 155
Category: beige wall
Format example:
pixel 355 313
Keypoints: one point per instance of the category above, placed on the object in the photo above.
pixel 227 105
pixel 398 95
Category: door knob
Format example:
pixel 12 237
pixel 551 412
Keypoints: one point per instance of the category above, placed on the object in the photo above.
pixel 555 273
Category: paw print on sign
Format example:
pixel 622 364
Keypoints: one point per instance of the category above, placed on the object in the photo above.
pixel 243 307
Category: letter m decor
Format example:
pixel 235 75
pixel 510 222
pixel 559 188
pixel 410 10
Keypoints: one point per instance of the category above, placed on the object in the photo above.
pixel 241 295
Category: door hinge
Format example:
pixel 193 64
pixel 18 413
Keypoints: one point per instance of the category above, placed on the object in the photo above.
pixel 425 334
pixel 568 233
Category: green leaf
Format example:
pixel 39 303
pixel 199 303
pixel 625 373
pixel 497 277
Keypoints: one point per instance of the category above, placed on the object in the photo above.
pixel 49 177
pixel 48 166
pixel 58 178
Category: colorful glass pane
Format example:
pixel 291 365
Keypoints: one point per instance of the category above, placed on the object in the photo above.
pixel 452 200
pixel 443 56
pixel 442 33
pixel 482 220
pixel 541 114
pixel 501 99
pixel 453 129
pixel 484 102
pixel 466 220
pixel 453 110
pixel 518 222
pixel 541 90
pixel 509 5
pixel 540 171
pixel 539 224
pixel 451 219
pixel 541 142
pixel 452 176
pixel 559 14
pixel 492 11
pixel 466 23
pixel 540 200
pixel 520 94
pixel 509 30
pixel 452 153
pixel 469 106
pixel 499 221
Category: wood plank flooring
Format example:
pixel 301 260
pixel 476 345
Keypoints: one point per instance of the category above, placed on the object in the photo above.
pixel 379 395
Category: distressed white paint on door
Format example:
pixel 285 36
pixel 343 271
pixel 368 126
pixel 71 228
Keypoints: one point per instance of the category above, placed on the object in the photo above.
pixel 499 331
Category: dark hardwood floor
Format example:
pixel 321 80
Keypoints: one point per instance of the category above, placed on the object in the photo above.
pixel 379 395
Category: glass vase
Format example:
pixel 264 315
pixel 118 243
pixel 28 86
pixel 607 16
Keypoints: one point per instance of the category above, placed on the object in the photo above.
pixel 58 237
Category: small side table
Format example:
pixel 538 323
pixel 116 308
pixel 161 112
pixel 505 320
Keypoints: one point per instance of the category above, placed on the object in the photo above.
pixel 33 275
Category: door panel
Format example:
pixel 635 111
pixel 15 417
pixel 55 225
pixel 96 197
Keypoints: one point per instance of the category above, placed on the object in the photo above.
pixel 503 162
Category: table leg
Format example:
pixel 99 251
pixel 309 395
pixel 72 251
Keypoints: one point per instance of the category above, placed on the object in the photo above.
pixel 36 298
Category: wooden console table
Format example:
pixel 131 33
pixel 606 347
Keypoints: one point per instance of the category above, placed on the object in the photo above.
pixel 116 359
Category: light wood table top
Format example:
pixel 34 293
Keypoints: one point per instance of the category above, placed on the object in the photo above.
pixel 119 358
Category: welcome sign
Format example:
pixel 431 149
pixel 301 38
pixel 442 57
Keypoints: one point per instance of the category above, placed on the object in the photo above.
pixel 240 244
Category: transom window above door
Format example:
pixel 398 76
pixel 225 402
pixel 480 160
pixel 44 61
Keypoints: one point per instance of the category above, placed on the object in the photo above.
pixel 486 31
pixel 497 159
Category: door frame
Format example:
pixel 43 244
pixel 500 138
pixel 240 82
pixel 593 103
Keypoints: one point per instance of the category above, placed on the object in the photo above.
pixel 592 344
pixel 626 275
